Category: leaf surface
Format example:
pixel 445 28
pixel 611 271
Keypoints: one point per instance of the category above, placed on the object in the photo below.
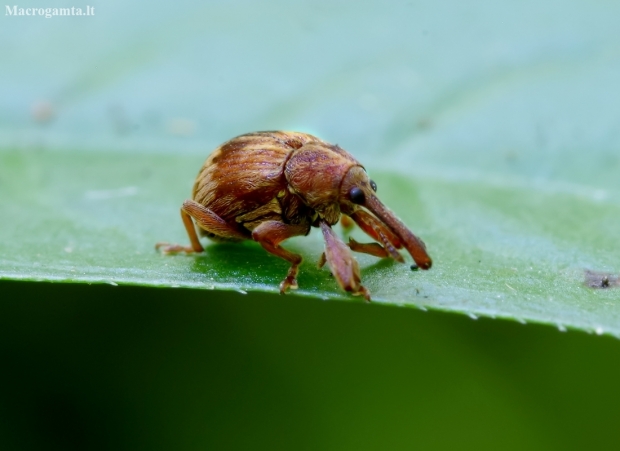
pixel 491 130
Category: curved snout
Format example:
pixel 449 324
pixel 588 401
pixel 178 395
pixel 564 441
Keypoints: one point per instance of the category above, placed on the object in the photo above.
pixel 414 245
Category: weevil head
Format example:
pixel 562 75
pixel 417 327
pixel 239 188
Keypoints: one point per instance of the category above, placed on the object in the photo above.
pixel 315 172
pixel 331 181
pixel 358 191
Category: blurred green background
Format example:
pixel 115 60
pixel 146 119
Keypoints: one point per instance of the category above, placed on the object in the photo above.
pixel 492 128
pixel 100 367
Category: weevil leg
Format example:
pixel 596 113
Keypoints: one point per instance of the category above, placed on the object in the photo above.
pixel 270 234
pixel 168 248
pixel 377 230
pixel 343 265
pixel 206 219
pixel 374 249
pixel 372 226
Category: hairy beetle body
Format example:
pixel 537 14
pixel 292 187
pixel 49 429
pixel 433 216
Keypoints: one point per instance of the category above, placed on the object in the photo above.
pixel 270 186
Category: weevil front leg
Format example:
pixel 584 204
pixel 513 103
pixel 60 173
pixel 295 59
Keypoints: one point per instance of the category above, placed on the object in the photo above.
pixel 206 219
pixel 374 249
pixel 379 232
pixel 270 234
pixel 343 265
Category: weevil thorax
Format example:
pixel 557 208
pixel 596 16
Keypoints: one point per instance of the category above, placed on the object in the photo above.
pixel 315 172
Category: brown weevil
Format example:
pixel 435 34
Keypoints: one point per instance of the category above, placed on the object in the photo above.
pixel 270 186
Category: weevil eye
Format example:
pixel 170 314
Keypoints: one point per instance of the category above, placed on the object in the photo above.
pixel 373 185
pixel 357 195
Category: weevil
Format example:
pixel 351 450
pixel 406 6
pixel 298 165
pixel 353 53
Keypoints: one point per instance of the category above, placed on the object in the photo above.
pixel 271 186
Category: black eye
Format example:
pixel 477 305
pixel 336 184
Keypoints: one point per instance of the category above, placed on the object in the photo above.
pixel 373 185
pixel 357 195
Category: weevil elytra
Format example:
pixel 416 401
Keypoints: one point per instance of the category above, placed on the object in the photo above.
pixel 271 186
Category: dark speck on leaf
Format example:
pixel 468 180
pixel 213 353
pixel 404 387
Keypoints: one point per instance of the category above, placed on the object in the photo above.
pixel 414 268
pixel 595 279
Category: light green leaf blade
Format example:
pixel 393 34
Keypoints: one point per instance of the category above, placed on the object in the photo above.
pixel 491 130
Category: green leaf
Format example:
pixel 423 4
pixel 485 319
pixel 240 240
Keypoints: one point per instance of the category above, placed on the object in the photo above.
pixel 493 136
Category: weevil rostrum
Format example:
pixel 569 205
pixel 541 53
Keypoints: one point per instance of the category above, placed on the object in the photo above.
pixel 271 186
